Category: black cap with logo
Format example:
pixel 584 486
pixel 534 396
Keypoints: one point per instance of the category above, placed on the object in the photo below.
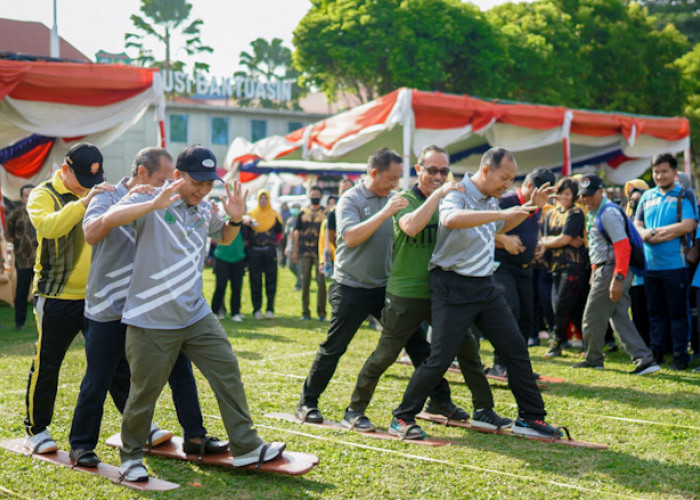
pixel 199 163
pixel 86 162
pixel 589 184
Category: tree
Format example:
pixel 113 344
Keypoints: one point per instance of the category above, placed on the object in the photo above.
pixel 371 47
pixel 683 14
pixel 689 65
pixel 163 20
pixel 269 61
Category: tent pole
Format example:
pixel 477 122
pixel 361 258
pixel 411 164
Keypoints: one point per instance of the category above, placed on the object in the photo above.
pixel 407 124
pixel 686 161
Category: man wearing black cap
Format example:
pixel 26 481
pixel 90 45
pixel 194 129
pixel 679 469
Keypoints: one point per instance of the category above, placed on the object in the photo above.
pixel 56 208
pixel 515 252
pixel 165 311
pixel 609 251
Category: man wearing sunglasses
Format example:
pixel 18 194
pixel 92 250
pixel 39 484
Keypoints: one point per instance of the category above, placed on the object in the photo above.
pixel 407 303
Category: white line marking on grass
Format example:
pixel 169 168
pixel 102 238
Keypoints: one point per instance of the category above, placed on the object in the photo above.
pixel 445 462
pixel 632 420
pixel 286 356
pixel 12 493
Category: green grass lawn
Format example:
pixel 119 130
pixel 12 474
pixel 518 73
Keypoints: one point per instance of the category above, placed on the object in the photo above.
pixel 651 423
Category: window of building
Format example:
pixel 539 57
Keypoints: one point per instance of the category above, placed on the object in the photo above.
pixel 258 130
pixel 292 126
pixel 219 130
pixel 178 128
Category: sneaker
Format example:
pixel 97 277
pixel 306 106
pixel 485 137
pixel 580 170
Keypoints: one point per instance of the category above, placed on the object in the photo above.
pixel 497 371
pixel 308 414
pixel 322 319
pixel 221 315
pixel 257 315
pixel 538 428
pixel 680 361
pixel 697 369
pixel 659 358
pixel 264 453
pixel 269 315
pixel 211 446
pixel 489 419
pixel 357 421
pixel 40 443
pixel 305 317
pixel 586 364
pixel 576 344
pixel 646 368
pixel 158 436
pixel 84 458
pixel 454 365
pixel 555 349
pixel 133 471
pixel 237 317
pixel 405 429
pixel 533 342
pixel 449 410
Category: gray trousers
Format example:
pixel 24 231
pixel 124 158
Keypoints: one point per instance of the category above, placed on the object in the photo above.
pixel 151 355
pixel 600 309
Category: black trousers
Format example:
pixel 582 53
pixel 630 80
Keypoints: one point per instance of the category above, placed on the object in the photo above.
pixel 350 306
pixel 262 261
pixel 569 299
pixel 640 316
pixel 108 370
pixel 58 322
pixel 517 283
pixel 25 275
pixel 544 314
pixel 226 272
pixel 667 303
pixel 459 302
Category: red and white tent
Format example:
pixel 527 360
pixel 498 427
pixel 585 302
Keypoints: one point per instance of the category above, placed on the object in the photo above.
pixel 407 120
pixel 46 106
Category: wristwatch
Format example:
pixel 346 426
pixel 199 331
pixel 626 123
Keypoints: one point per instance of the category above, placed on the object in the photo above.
pixel 235 224
pixel 653 231
pixel 619 276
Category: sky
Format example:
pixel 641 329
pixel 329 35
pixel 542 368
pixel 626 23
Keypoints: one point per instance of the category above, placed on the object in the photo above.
pixel 229 25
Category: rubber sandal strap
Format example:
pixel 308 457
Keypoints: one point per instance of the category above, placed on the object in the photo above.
pixel 203 447
pixel 568 434
pixel 149 443
pixel 307 411
pixel 408 429
pixel 122 476
pixel 353 423
pixel 261 459
pixel 38 445
pixel 82 454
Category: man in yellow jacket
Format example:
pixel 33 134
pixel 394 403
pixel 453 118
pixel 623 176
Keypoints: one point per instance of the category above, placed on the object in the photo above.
pixel 56 208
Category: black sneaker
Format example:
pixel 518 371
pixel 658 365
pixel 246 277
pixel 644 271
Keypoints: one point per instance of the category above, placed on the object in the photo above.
pixel 533 341
pixel 84 458
pixel 646 368
pixel 357 421
pixel 555 349
pixel 305 317
pixel 659 358
pixel 308 414
pixel 586 364
pixel 680 361
pixel 489 419
pixel 405 429
pixel 538 428
pixel 610 347
pixel 449 410
pixel 497 371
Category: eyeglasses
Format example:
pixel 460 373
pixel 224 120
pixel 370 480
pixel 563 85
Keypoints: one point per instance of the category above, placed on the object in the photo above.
pixel 434 170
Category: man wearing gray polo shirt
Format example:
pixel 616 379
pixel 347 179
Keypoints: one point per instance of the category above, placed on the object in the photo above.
pixel 464 292
pixel 362 264
pixel 609 299
pixel 166 312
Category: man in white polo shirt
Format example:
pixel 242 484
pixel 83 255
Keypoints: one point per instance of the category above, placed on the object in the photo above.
pixel 166 312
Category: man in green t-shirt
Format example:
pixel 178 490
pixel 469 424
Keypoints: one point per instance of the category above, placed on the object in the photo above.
pixel 407 303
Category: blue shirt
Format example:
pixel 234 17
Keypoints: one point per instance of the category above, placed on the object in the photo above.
pixel 657 210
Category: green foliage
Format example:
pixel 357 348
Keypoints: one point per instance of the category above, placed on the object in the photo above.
pixel 268 61
pixel 689 66
pixel 163 20
pixel 683 14
pixel 372 47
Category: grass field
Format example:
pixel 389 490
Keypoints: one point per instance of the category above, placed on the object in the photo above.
pixel 651 423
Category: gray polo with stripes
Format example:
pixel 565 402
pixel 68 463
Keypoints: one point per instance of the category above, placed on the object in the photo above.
pixel 166 288
pixel 469 252
pixel 111 263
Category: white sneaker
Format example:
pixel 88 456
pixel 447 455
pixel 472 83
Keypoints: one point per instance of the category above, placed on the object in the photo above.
pixel 133 471
pixel 159 436
pixel 271 451
pixel 258 315
pixel 40 443
pixel 221 316
pixel 269 315
pixel 237 317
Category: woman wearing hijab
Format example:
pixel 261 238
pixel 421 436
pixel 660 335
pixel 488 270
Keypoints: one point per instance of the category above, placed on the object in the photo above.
pixel 263 234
